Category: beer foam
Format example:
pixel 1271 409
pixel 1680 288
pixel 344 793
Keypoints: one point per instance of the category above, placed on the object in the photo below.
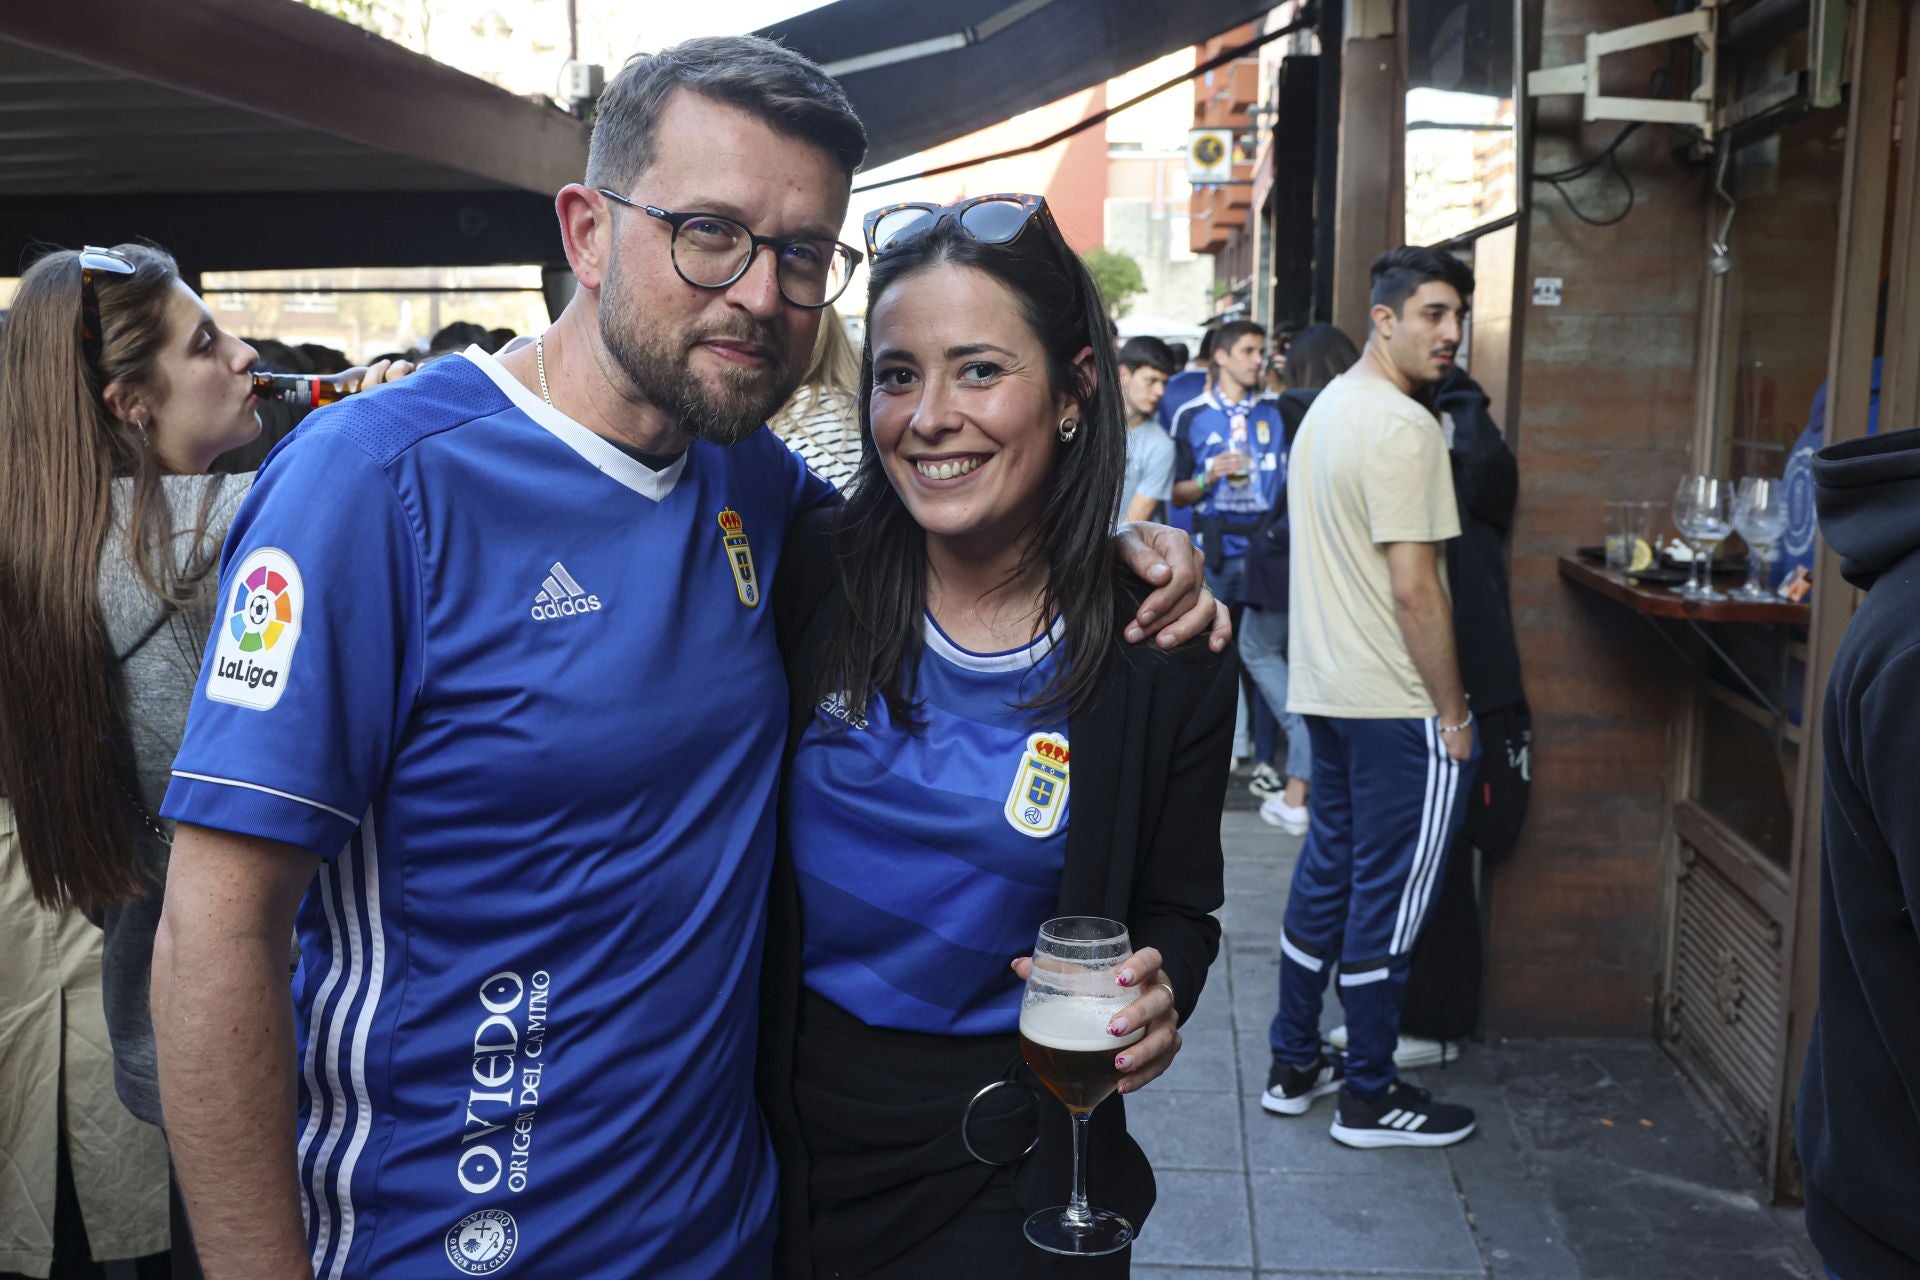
pixel 1076 1026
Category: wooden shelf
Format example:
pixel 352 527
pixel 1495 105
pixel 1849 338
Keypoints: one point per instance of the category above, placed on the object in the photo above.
pixel 1667 602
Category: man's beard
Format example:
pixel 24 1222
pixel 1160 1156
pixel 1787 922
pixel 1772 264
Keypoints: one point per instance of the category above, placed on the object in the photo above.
pixel 658 363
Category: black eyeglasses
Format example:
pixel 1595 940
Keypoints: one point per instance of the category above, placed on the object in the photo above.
pixel 995 219
pixel 712 252
pixel 93 261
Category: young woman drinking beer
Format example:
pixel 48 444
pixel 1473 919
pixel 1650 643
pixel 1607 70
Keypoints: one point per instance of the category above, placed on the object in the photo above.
pixel 973 751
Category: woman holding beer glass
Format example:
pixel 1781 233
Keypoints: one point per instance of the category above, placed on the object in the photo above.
pixel 973 753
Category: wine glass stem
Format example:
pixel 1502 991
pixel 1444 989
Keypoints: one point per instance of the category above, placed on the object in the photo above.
pixel 1694 584
pixel 1077 1212
pixel 1756 560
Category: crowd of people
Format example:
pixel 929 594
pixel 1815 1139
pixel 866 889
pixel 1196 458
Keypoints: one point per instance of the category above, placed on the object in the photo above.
pixel 665 808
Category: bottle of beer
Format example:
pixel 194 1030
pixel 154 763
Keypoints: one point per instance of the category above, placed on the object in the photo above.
pixel 309 390
pixel 1237 442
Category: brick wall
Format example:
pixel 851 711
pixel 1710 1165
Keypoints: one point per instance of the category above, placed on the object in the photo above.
pixel 1606 411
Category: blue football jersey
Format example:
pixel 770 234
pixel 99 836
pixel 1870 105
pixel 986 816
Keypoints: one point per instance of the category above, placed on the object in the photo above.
pixel 1206 426
pixel 521 693
pixel 928 858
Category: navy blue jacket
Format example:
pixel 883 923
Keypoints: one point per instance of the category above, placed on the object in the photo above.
pixel 1858 1121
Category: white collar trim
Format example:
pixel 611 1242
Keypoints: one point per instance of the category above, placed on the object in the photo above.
pixel 599 453
pixel 1021 659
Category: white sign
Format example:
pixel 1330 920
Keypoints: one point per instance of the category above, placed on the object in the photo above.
pixel 1546 291
pixel 1209 155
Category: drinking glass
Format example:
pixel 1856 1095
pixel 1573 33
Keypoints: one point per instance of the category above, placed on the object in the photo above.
pixel 1760 517
pixel 1071 996
pixel 1701 512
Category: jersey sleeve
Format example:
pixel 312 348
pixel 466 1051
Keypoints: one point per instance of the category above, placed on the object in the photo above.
pixel 1409 486
pixel 314 660
pixel 1156 469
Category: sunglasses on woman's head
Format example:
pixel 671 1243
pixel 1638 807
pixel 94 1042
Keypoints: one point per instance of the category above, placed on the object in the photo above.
pixel 995 219
pixel 93 261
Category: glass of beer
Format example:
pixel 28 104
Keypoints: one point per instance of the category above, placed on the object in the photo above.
pixel 1071 996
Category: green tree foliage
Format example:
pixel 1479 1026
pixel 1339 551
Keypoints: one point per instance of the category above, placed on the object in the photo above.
pixel 1118 276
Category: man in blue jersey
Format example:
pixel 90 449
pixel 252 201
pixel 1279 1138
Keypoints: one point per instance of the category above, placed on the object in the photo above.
pixel 493 708
pixel 1230 467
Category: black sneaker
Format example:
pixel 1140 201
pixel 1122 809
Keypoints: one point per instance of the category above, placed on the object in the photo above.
pixel 1266 781
pixel 1291 1090
pixel 1403 1116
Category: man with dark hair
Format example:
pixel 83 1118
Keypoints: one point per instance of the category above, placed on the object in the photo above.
pixel 1374 670
pixel 1188 382
pixel 1145 366
pixel 1230 463
pixel 499 698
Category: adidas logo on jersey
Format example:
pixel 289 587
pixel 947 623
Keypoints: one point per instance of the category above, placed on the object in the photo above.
pixel 561 597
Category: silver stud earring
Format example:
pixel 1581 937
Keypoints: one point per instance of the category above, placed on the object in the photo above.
pixel 1069 428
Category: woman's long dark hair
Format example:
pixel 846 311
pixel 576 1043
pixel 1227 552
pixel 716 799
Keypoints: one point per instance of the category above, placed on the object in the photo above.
pixel 1317 355
pixel 64 762
pixel 875 641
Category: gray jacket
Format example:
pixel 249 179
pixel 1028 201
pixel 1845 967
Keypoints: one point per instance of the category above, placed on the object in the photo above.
pixel 159 651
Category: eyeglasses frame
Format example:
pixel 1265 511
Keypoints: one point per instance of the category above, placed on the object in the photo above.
pixel 777 244
pixel 94 260
pixel 1033 206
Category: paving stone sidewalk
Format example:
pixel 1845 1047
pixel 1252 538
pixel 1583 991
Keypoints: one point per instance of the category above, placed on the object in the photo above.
pixel 1592 1160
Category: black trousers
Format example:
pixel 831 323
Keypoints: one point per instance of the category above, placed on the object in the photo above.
pixel 1443 985
pixel 892 1191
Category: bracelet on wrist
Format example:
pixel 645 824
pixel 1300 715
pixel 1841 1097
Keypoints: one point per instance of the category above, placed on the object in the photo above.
pixel 1462 727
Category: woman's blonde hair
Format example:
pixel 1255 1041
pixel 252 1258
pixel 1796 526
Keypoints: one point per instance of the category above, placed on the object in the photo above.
pixel 833 374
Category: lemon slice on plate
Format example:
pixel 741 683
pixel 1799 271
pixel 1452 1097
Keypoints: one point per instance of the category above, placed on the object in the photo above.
pixel 1642 556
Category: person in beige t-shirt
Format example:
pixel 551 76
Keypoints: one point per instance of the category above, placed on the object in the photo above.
pixel 1376 678
pixel 1369 468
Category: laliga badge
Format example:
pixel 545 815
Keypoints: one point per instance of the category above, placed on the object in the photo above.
pixel 1038 801
pixel 254 645
pixel 739 557
pixel 1264 433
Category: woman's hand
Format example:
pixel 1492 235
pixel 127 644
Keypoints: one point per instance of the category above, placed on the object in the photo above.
pixel 1166 558
pixel 1144 1060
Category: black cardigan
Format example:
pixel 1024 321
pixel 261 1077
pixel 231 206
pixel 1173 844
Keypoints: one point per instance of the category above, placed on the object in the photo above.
pixel 1151 755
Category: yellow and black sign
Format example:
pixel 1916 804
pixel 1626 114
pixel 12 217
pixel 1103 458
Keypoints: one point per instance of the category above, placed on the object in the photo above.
pixel 1210 155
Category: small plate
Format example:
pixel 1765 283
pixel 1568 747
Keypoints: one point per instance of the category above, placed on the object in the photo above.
pixel 1658 577
pixel 1596 554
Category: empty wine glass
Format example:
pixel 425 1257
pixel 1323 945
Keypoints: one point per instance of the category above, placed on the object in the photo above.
pixel 1702 513
pixel 1760 517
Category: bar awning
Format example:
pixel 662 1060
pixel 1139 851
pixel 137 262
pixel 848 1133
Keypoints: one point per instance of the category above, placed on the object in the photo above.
pixel 262 133
pixel 921 74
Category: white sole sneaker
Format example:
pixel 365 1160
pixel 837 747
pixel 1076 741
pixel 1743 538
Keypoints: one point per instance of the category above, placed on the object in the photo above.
pixel 1373 1139
pixel 1278 1105
pixel 1292 819
pixel 1409 1051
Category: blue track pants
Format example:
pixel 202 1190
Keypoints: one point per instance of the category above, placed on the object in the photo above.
pixel 1387 803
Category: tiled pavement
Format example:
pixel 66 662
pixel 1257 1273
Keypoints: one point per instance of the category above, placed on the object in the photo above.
pixel 1592 1161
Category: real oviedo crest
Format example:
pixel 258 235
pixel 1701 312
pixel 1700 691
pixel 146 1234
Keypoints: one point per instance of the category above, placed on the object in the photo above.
pixel 733 532
pixel 254 643
pixel 1037 804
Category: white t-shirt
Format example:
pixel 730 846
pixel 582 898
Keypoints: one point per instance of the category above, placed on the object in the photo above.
pixel 1368 468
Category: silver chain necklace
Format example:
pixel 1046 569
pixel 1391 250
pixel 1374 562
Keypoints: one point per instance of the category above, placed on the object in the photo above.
pixel 540 363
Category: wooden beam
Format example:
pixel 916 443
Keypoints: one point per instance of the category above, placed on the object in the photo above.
pixel 285 60
pixel 1900 378
pixel 1865 188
